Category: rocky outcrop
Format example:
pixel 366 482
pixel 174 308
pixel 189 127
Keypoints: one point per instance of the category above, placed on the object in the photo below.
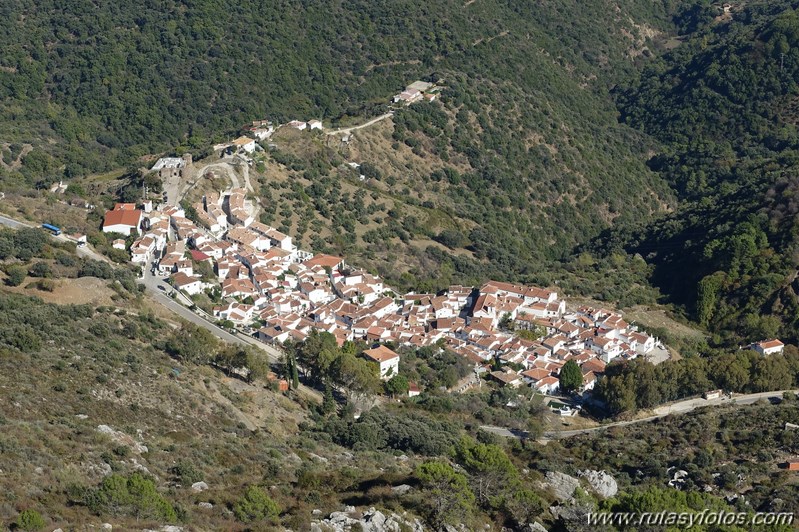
pixel 369 521
pixel 122 439
pixel 561 484
pixel 600 482
pixel 402 489
pixel 572 513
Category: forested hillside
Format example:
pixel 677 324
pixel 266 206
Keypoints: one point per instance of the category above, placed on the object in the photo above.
pixel 724 105
pixel 526 118
pixel 115 80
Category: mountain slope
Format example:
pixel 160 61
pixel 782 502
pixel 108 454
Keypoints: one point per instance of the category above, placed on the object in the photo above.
pixel 723 106
pixel 525 118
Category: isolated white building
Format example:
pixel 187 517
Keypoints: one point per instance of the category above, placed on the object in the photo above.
pixel 386 358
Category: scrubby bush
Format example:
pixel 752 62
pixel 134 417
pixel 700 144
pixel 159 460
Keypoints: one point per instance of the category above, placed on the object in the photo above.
pixel 30 520
pixel 16 274
pixel 255 505
pixel 134 495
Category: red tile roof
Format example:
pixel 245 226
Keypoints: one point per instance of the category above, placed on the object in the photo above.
pixel 769 344
pixel 324 260
pixel 380 354
pixel 198 255
pixel 131 218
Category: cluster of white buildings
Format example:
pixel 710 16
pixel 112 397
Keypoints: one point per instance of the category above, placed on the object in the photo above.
pixel 302 126
pixel 471 324
pixel 265 281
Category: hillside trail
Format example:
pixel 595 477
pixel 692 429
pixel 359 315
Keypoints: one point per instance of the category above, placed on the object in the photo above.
pixel 345 130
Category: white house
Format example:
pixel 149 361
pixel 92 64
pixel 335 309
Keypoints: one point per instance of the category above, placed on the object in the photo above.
pixel 606 348
pixel 262 132
pixel 507 378
pixel 386 358
pixel 123 221
pixel 316 294
pixel 768 347
pixel 314 124
pixel 408 96
pixel 643 342
pixel 547 385
pixel 190 285
pixel 279 239
pixel 273 334
pixel 245 143
pixel 236 312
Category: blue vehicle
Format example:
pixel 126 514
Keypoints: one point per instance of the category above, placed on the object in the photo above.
pixel 53 229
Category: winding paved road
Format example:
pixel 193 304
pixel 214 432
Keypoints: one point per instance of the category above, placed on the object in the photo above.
pixel 151 283
pixel 12 223
pixel 679 407
pixel 83 251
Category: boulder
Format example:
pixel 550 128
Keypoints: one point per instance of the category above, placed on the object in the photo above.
pixel 402 489
pixel 562 485
pixel 341 519
pixel 206 505
pixel 571 513
pixel 601 483
pixel 371 520
pixel 199 486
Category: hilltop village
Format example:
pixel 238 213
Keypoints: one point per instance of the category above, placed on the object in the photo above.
pixel 268 287
pixel 264 285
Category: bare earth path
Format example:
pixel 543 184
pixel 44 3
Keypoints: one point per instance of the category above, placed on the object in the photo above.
pixel 345 130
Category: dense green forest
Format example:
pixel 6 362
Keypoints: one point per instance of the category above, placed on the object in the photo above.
pixel 723 105
pixel 113 81
pixel 537 161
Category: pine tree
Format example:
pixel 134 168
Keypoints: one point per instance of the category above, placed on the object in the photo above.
pixel 571 378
